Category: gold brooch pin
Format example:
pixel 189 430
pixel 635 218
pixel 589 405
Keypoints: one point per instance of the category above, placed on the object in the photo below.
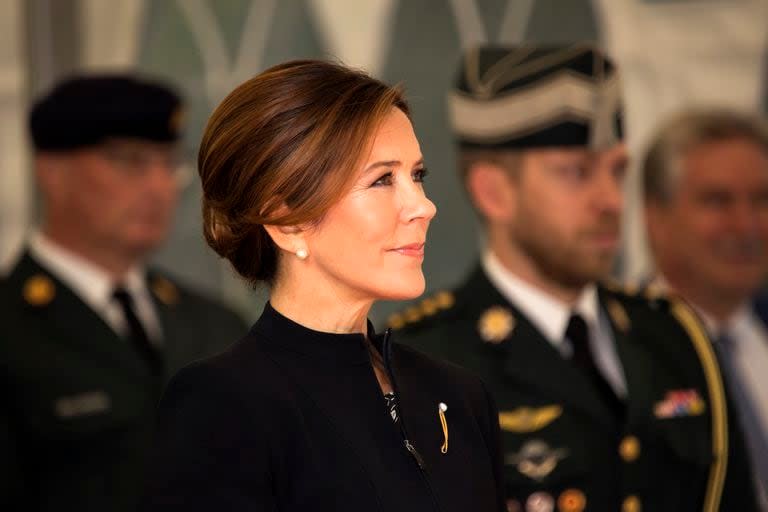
pixel 441 408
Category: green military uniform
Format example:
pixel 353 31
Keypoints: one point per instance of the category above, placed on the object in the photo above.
pixel 76 401
pixel 675 449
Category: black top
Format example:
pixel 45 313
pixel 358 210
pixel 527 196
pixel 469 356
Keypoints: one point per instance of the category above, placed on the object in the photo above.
pixel 292 419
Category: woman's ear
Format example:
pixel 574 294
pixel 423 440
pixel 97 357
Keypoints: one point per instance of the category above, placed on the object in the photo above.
pixel 492 190
pixel 291 239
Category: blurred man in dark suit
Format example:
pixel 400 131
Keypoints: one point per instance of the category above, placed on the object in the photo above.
pixel 608 400
pixel 706 209
pixel 89 332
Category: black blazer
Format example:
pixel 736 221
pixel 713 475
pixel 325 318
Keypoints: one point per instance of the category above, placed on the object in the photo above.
pixel 292 419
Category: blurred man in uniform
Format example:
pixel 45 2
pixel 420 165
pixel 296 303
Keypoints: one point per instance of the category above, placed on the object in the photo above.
pixel 89 334
pixel 608 401
pixel 706 209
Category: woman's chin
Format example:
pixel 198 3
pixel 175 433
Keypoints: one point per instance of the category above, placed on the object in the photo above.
pixel 404 289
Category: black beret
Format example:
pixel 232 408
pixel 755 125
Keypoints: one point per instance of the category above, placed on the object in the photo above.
pixel 536 96
pixel 85 110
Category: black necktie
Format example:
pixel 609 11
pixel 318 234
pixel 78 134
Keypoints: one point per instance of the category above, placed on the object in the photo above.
pixel 136 333
pixel 578 334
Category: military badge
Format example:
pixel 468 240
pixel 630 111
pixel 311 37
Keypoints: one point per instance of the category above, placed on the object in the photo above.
pixel 677 403
pixel 165 290
pixel 84 404
pixel 528 419
pixel 39 290
pixel 495 324
pixel 176 121
pixel 540 502
pixel 536 459
pixel 571 500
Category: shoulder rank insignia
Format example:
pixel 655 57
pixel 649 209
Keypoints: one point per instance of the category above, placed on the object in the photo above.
pixel 528 419
pixel 425 308
pixel 495 324
pixel 618 315
pixel 39 290
pixel 165 290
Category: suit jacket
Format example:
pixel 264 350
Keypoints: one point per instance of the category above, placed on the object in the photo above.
pixel 675 449
pixel 77 404
pixel 293 419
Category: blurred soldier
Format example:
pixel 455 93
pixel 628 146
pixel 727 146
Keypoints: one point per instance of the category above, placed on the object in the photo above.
pixel 89 333
pixel 609 401
pixel 706 191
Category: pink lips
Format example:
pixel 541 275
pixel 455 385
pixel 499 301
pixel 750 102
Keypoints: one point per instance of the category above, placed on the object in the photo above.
pixel 413 250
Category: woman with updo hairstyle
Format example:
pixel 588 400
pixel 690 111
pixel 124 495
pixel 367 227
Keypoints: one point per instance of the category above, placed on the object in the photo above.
pixel 312 185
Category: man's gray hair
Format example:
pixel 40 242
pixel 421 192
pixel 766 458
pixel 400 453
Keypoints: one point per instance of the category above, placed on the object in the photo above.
pixel 662 165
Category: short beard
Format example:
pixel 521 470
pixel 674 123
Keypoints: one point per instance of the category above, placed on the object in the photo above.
pixel 558 260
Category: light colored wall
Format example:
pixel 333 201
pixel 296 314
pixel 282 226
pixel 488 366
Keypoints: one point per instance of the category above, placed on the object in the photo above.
pixel 206 47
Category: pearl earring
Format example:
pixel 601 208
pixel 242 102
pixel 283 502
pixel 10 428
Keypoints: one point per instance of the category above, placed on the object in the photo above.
pixel 302 254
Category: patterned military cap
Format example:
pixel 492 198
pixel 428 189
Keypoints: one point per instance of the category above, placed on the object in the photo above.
pixel 85 110
pixel 533 96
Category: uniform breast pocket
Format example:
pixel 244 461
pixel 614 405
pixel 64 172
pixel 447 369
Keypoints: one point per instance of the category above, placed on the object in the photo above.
pixel 686 439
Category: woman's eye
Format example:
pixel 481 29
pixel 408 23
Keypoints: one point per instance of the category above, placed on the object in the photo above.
pixel 419 175
pixel 383 180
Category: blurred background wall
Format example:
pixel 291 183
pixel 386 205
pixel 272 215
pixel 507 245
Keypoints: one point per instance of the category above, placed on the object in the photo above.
pixel 673 53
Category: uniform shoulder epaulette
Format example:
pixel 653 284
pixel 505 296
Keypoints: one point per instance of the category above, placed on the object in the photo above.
pixel 164 289
pixel 419 311
pixel 650 293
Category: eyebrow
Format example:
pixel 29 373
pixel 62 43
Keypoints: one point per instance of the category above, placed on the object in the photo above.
pixel 390 163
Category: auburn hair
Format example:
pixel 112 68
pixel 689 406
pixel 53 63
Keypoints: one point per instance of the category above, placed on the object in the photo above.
pixel 281 149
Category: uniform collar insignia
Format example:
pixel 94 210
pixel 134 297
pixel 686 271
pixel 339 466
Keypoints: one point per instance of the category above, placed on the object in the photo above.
pixel 496 324
pixel 39 290
pixel 165 290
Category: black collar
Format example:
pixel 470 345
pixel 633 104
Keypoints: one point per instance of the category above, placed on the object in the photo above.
pixel 283 333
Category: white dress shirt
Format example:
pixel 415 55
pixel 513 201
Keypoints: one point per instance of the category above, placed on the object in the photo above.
pixel 550 317
pixel 94 286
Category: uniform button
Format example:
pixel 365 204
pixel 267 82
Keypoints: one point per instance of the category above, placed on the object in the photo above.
pixel 631 504
pixel 629 449
pixel 572 500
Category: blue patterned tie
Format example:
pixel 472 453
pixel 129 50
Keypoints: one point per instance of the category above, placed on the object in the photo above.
pixel 751 425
